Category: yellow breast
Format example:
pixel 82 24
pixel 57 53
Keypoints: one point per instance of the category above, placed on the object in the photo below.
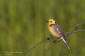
pixel 53 33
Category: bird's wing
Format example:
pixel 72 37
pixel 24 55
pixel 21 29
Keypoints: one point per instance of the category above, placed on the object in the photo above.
pixel 58 29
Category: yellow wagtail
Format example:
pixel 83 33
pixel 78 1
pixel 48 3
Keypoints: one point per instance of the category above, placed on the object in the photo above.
pixel 56 31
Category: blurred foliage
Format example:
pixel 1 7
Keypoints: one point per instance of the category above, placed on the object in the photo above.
pixel 23 24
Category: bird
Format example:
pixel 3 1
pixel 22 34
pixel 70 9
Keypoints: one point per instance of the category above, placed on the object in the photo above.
pixel 56 31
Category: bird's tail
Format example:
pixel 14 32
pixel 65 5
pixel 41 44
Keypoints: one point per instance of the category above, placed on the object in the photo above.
pixel 65 43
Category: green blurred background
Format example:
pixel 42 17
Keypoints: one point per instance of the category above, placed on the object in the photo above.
pixel 23 24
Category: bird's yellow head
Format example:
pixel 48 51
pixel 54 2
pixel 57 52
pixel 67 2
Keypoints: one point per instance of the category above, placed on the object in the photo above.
pixel 51 21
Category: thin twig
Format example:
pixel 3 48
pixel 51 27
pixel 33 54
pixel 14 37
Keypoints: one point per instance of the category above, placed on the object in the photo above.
pixel 29 50
pixel 75 29
pixel 50 46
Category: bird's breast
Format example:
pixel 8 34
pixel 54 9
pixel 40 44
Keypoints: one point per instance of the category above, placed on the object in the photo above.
pixel 53 32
